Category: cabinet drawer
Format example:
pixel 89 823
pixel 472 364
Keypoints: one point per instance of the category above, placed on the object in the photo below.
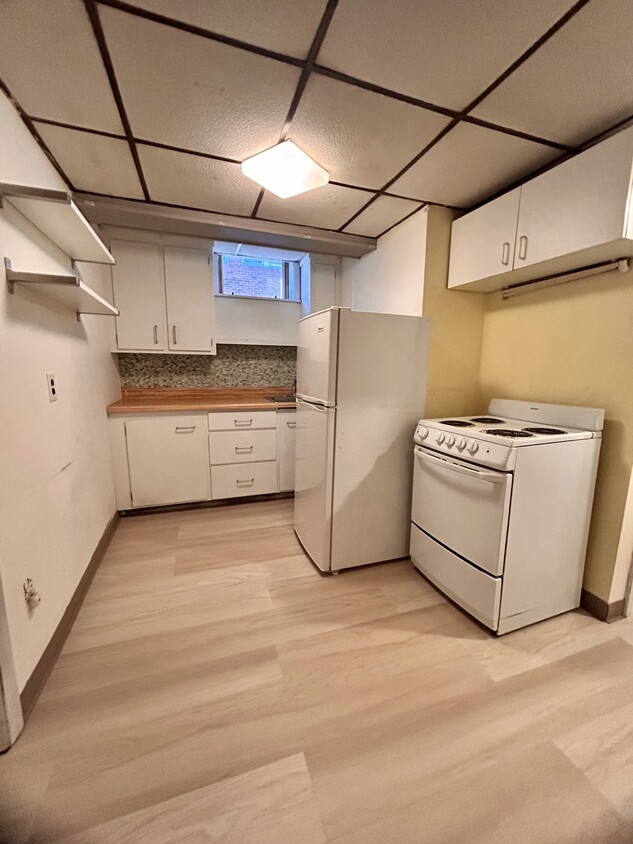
pixel 235 480
pixel 242 419
pixel 242 446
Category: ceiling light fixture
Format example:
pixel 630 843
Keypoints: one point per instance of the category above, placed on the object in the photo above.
pixel 285 170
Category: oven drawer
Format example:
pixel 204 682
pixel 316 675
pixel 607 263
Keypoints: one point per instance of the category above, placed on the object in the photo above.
pixel 234 481
pixel 474 590
pixel 464 506
pixel 242 446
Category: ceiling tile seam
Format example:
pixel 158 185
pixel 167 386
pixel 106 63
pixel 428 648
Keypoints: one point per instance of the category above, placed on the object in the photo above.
pixel 433 107
pixel 192 29
pixel 569 14
pixel 342 77
pixel 395 178
pixel 315 46
pixel 93 14
pixel 36 135
pixel 246 217
pixel 198 153
pixel 406 217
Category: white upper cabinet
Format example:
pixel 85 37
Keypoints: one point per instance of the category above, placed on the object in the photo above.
pixel 482 243
pixel 580 204
pixel 190 302
pixel 165 298
pixel 139 294
pixel 572 216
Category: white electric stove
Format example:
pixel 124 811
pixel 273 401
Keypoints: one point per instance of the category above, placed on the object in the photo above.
pixel 501 508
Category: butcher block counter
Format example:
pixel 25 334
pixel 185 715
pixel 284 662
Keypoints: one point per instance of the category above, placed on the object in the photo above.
pixel 209 399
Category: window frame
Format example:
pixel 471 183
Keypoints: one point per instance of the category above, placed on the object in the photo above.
pixel 217 273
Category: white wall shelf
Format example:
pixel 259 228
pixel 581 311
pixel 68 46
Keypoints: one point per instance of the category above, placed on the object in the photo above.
pixel 69 290
pixel 56 215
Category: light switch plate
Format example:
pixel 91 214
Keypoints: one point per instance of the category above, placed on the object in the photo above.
pixel 52 386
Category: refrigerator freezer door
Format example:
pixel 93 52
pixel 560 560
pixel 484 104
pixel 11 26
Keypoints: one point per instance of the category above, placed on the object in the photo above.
pixel 316 357
pixel 313 480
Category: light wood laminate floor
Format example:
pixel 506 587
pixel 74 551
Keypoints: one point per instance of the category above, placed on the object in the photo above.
pixel 216 688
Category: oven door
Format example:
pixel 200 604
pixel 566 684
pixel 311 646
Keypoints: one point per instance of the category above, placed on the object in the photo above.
pixel 463 506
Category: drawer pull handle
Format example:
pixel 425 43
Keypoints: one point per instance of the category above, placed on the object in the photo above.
pixel 173 334
pixel 245 483
pixel 291 424
pixel 245 449
pixel 155 335
pixel 242 423
pixel 185 430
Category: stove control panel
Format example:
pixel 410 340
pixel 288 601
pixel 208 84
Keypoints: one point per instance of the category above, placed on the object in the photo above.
pixel 497 455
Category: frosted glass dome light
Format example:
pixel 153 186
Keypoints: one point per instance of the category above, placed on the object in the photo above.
pixel 285 170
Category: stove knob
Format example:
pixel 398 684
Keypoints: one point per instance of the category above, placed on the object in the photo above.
pixel 422 433
pixel 440 439
pixel 473 447
pixel 450 442
pixel 461 445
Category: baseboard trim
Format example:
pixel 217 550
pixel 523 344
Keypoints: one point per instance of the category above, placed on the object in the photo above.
pixel 601 609
pixel 36 681
pixel 202 505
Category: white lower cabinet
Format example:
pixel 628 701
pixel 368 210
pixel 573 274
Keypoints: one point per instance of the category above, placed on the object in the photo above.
pixel 286 442
pixel 162 459
pixel 237 480
pixel 167 460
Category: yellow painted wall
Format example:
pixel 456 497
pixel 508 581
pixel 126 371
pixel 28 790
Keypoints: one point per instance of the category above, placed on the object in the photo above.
pixel 456 329
pixel 573 344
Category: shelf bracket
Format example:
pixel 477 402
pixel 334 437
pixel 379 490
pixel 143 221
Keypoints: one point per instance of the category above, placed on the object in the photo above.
pixel 7 266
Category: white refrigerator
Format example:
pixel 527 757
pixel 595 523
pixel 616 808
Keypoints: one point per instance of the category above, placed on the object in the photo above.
pixel 361 382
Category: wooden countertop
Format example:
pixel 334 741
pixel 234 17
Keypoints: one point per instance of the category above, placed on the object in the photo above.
pixel 154 400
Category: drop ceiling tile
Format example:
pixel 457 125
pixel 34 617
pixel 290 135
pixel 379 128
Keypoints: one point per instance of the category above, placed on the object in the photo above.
pixel 94 163
pixel 197 182
pixel 385 212
pixel 327 207
pixel 470 164
pixel 51 63
pixel 578 83
pixel 284 26
pixel 444 52
pixel 361 138
pixel 187 91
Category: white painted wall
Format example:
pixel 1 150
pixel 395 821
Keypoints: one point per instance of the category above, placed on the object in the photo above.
pixel 256 322
pixel 390 280
pixel 56 488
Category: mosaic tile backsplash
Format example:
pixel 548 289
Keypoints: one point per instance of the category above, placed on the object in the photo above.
pixel 233 366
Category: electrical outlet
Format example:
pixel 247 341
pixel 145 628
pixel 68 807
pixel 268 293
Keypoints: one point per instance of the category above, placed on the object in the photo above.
pixel 52 386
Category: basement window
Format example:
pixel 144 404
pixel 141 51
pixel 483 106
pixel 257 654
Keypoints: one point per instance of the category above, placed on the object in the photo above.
pixel 257 277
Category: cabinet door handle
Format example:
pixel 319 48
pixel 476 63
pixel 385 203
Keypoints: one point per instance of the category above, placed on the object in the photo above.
pixel 242 423
pixel 523 245
pixel 185 430
pixel 155 335
pixel 505 254
pixel 173 334
pixel 245 449
pixel 245 483
pixel 291 424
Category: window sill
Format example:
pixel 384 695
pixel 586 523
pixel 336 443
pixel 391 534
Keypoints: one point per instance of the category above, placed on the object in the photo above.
pixel 256 298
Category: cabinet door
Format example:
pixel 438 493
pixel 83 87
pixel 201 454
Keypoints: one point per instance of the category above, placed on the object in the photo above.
pixel 578 204
pixel 190 304
pixel 139 294
pixel 168 458
pixel 286 437
pixel 482 242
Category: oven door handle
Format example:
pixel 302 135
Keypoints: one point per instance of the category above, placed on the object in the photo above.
pixel 486 477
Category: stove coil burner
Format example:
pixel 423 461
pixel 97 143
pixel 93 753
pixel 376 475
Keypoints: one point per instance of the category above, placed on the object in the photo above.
pixel 545 431
pixel 487 420
pixel 457 423
pixel 508 432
